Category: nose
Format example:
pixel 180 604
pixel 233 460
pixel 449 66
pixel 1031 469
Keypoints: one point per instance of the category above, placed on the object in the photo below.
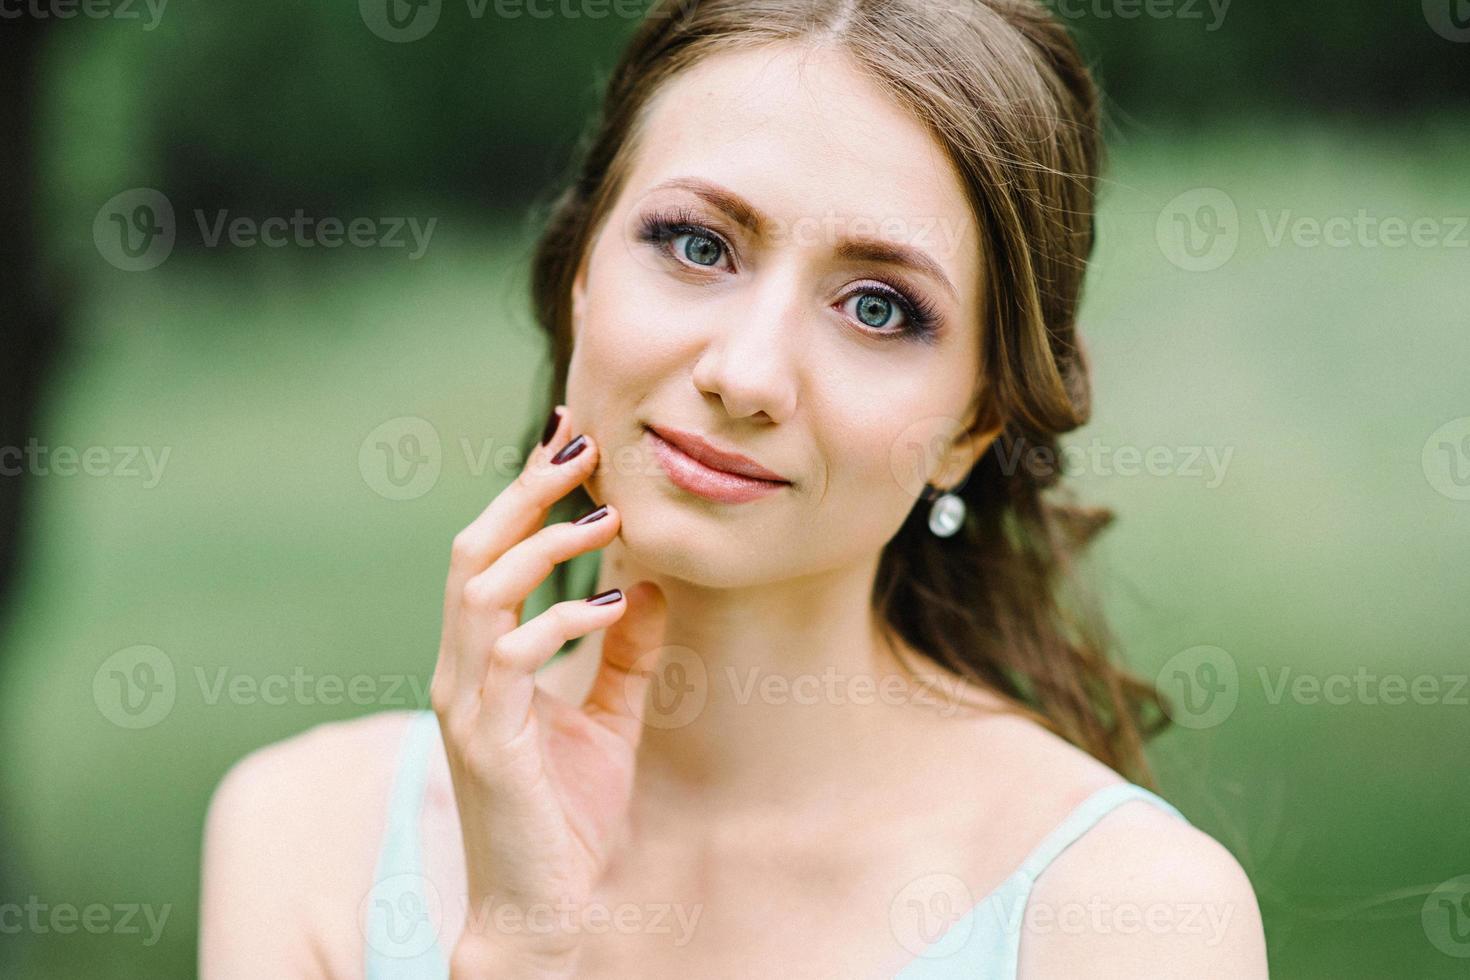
pixel 749 360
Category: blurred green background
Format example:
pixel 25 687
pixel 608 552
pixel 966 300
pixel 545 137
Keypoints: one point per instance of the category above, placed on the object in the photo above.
pixel 1295 365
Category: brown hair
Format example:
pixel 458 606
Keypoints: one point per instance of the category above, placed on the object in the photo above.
pixel 1003 89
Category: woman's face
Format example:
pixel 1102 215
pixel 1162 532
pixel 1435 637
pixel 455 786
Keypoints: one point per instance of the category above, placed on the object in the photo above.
pixel 780 331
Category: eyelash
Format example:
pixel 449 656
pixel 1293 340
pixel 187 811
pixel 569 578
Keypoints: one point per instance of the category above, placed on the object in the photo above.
pixel 921 319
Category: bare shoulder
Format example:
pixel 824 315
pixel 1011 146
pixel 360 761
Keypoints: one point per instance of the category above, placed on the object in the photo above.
pixel 290 837
pixel 1143 894
pixel 291 789
pixel 1140 894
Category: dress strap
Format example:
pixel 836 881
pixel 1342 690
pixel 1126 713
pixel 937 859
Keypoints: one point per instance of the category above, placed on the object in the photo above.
pixel 986 940
pixel 402 914
pixel 1078 822
pixel 1081 819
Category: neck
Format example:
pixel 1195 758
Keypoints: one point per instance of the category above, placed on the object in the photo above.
pixel 767 699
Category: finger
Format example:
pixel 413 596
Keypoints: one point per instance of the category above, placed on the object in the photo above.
pixel 620 687
pixel 491 602
pixel 510 683
pixel 474 547
pixel 521 507
pixel 517 573
pixel 516 512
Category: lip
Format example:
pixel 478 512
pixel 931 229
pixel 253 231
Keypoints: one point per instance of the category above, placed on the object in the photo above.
pixel 694 465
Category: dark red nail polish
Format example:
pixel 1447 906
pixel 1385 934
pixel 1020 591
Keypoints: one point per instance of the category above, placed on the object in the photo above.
pixel 570 450
pixel 606 598
pixel 595 514
pixel 551 424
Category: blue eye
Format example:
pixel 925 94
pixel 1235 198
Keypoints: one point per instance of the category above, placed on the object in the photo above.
pixel 703 248
pixel 875 309
pixel 877 302
pixel 699 248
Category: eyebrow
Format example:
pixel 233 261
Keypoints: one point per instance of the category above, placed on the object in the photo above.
pixel 857 249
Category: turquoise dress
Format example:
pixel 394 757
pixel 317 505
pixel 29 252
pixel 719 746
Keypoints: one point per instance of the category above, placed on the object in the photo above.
pixel 399 914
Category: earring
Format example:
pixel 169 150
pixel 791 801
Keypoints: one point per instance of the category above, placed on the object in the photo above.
pixel 947 512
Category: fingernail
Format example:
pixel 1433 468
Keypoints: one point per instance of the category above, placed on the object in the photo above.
pixel 570 450
pixel 551 423
pixel 595 514
pixel 606 598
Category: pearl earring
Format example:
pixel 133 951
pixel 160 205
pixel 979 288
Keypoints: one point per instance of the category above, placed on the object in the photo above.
pixel 947 512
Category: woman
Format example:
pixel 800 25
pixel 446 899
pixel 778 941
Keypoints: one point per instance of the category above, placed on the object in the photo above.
pixel 833 709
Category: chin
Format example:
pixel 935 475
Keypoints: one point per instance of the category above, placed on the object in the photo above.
pixel 664 538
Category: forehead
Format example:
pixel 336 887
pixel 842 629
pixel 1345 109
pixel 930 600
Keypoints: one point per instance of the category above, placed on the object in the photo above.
pixel 803 134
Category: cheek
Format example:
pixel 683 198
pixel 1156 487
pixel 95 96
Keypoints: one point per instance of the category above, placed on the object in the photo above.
pixel 883 445
pixel 611 356
pixel 629 302
pixel 608 337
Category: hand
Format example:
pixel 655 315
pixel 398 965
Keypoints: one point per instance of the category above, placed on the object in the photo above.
pixel 541 785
